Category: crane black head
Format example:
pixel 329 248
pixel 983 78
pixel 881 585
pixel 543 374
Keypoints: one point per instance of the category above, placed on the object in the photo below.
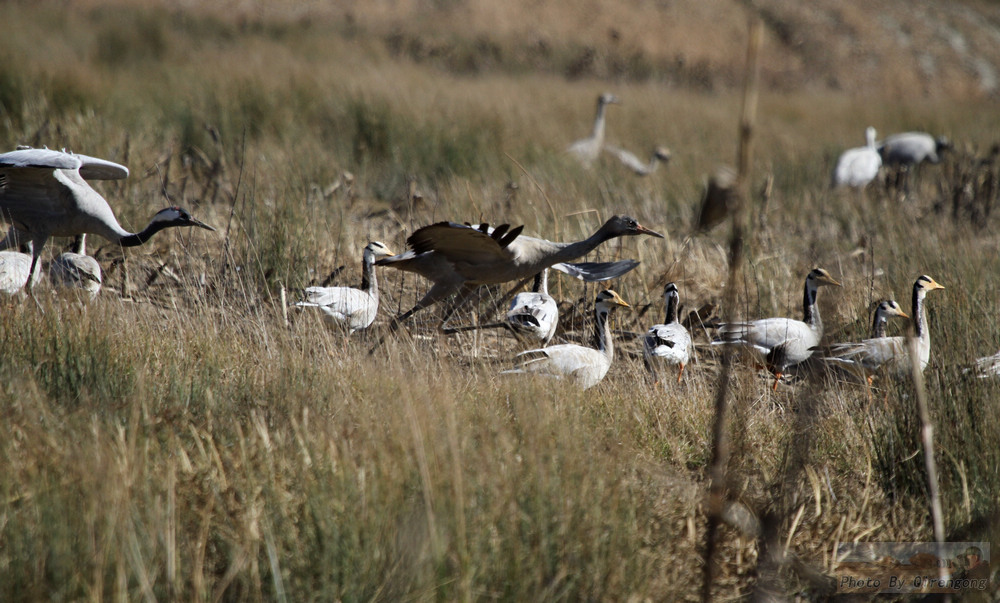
pixel 167 217
pixel 618 226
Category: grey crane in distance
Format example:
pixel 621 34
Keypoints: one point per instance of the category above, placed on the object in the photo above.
pixel 44 193
pixel 779 342
pixel 903 154
pixel 76 269
pixel 638 166
pixel 354 309
pixel 583 365
pixel 858 166
pixel 667 343
pixel 912 148
pixel 459 257
pixel 587 150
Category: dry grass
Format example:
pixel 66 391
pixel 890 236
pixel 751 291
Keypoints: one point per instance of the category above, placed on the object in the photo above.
pixel 176 440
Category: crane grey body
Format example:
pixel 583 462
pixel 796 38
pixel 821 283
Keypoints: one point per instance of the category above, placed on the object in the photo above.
pixel 44 193
pixel 639 167
pixel 584 366
pixel 668 343
pixel 912 148
pixel 587 150
pixel 354 309
pixel 858 166
pixel 76 269
pixel 534 314
pixel 780 343
pixel 458 257
pixel 892 353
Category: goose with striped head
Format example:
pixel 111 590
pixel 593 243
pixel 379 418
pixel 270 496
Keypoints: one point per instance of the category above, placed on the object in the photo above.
pixel 582 365
pixel 668 343
pixel 353 309
pixel 780 343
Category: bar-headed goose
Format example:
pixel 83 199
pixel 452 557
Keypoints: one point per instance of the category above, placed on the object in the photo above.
pixel 668 343
pixel 352 308
pixel 534 314
pixel 780 343
pixel 584 366
pixel 893 353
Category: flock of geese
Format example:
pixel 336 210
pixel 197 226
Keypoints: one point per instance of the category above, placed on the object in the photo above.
pixel 45 193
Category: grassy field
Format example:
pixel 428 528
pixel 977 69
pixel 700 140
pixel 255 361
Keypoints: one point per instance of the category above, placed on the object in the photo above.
pixel 176 439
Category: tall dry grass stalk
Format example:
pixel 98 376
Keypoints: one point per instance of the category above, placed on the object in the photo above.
pixel 720 438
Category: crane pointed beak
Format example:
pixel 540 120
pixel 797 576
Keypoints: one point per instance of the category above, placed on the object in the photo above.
pixel 200 224
pixel 643 230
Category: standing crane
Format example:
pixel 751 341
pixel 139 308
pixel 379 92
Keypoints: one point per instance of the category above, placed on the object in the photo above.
pixel 904 153
pixel 587 150
pixel 44 193
pixel 459 257
pixel 858 166
pixel 76 269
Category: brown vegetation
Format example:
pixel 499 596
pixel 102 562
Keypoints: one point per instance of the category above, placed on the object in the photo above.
pixel 176 439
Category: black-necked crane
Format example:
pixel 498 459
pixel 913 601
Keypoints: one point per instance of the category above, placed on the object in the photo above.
pixel 353 309
pixel 780 343
pixel 77 270
pixel 858 166
pixel 459 257
pixel 584 366
pixel 44 193
pixel 893 353
pixel 587 150
pixel 534 314
pixel 638 166
pixel 668 343
pixel 15 268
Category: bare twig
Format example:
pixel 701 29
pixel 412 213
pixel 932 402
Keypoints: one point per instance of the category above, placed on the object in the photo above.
pixel 720 439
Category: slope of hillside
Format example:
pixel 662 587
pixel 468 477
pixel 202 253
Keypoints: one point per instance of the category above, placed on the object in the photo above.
pixel 912 48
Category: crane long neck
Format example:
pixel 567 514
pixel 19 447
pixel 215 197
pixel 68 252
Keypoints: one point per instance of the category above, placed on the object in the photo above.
pixel 810 311
pixel 566 252
pixel 598 134
pixel 140 238
pixel 602 329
